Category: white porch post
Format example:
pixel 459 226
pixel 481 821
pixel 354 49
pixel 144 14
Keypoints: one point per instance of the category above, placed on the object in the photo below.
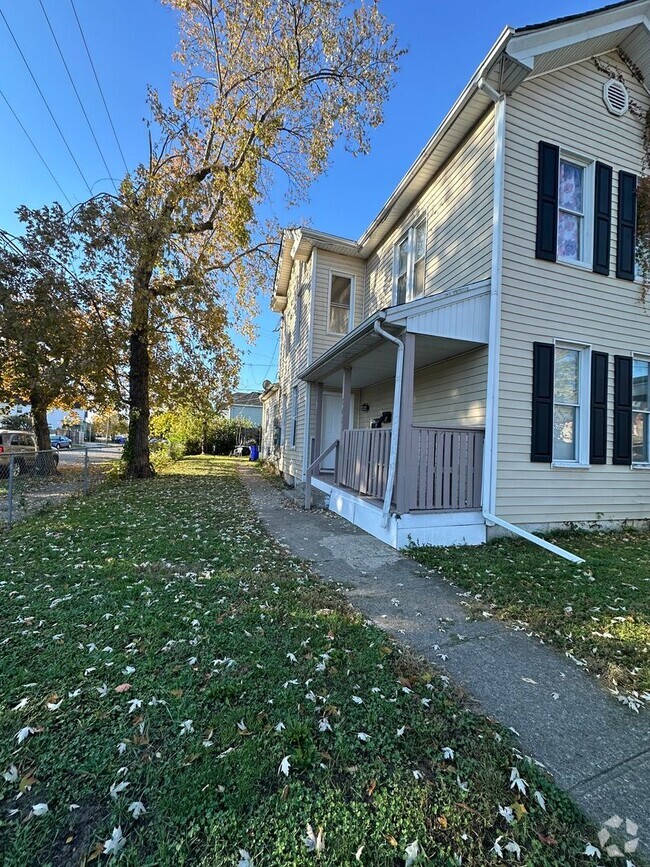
pixel 346 401
pixel 404 443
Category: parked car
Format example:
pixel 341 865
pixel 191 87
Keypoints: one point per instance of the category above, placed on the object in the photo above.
pixel 120 439
pixel 60 442
pixel 22 445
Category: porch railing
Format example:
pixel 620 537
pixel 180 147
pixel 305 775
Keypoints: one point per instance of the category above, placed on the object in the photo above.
pixel 445 468
pixel 363 461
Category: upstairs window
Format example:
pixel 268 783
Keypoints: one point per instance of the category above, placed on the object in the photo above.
pixel 410 256
pixel 575 211
pixel 339 320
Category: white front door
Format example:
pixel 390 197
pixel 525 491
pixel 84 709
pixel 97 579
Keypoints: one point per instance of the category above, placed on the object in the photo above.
pixel 331 428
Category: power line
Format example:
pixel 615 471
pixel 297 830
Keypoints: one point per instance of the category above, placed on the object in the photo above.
pixel 74 87
pixel 101 92
pixel 47 105
pixel 33 144
pixel 268 369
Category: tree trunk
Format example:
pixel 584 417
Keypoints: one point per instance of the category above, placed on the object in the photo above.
pixel 136 450
pixel 46 462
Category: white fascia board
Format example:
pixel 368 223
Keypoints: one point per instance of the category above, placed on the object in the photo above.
pixel 524 47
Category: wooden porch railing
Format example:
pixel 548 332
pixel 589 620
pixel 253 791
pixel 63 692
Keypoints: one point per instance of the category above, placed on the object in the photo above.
pixel 363 461
pixel 445 468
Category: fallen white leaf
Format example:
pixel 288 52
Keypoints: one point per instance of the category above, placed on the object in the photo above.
pixel 540 800
pixel 244 859
pixel 11 774
pixel 284 766
pixel 24 733
pixel 136 808
pixel 314 842
pixel 117 788
pixel 187 727
pixel 40 809
pixel 412 853
pixel 115 843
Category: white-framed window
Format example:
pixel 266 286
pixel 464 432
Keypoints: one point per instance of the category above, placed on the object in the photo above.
pixel 341 303
pixel 294 415
pixel 640 412
pixel 571 405
pixel 410 258
pixel 575 217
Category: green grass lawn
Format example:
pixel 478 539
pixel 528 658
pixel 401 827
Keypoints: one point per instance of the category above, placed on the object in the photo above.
pixel 168 671
pixel 598 613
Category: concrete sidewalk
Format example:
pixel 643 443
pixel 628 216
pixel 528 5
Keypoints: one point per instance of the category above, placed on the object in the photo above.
pixel 597 749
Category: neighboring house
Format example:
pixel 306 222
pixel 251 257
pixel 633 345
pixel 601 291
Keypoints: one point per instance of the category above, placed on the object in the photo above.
pixel 55 419
pixel 271 422
pixel 479 359
pixel 245 405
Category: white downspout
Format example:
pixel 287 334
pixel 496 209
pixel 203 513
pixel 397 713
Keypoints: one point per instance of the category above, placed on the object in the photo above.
pixel 489 490
pixel 494 339
pixel 397 407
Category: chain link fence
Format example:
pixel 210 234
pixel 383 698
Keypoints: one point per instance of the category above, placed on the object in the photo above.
pixel 31 481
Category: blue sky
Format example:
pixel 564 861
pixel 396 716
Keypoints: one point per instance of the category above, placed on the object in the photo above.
pixel 131 42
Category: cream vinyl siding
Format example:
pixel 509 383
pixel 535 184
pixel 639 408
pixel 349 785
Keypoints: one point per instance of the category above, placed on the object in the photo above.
pixel 327 262
pixel 294 352
pixel 450 392
pixel 544 301
pixel 458 210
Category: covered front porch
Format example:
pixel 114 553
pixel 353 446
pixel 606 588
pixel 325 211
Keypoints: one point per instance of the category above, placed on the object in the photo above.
pixel 397 424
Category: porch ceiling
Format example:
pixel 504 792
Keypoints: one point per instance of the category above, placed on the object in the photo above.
pixel 376 362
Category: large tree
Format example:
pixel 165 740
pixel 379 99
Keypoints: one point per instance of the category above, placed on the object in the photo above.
pixel 262 93
pixel 55 323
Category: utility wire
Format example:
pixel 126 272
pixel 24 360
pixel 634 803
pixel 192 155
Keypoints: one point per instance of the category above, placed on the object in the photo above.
pixel 101 92
pixel 76 92
pixel 33 144
pixel 268 369
pixel 47 105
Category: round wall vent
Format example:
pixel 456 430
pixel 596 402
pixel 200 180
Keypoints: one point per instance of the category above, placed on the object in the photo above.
pixel 616 97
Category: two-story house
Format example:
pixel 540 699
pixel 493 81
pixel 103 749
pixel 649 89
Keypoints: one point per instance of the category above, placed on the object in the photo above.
pixel 479 359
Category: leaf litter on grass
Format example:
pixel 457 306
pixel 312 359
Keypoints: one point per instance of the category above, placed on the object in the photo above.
pixel 294 714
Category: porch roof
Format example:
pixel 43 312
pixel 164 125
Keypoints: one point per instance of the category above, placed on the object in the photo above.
pixel 372 358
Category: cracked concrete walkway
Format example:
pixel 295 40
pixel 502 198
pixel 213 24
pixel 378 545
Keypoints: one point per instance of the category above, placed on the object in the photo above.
pixel 596 749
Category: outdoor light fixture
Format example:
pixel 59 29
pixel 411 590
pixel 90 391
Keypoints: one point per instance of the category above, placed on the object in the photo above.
pixel 365 407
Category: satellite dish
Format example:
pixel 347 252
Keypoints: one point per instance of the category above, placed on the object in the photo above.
pixel 267 384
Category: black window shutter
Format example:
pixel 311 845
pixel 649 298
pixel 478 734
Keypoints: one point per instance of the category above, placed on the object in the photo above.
pixel 626 229
pixel 598 417
pixel 622 410
pixel 602 218
pixel 541 449
pixel 548 169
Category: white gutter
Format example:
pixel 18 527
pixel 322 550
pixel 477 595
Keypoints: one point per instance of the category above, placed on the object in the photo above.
pixel 489 490
pixel 397 407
